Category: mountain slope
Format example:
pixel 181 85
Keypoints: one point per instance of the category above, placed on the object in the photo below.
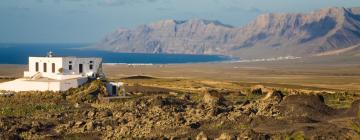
pixel 270 35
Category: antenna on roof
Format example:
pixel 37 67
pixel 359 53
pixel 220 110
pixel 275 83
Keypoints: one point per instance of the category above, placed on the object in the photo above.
pixel 50 54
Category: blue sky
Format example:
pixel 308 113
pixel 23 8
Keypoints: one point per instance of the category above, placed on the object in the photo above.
pixel 87 21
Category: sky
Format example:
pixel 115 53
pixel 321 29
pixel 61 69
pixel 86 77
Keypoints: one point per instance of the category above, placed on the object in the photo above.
pixel 88 21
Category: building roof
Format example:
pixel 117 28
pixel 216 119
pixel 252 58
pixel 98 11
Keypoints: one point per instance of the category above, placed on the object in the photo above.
pixel 50 54
pixel 64 57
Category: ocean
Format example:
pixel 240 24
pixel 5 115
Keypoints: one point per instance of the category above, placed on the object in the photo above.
pixel 19 53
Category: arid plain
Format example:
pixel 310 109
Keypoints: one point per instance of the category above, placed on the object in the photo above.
pixel 328 73
pixel 311 98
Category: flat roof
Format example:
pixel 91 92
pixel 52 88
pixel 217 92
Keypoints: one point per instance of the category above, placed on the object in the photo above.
pixel 46 79
pixel 63 57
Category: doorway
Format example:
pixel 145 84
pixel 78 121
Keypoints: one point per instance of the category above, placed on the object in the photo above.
pixel 80 68
pixel 114 90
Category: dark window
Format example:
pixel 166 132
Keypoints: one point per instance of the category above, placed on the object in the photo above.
pixel 37 66
pixel 91 62
pixel 80 68
pixel 70 67
pixel 90 66
pixel 45 67
pixel 53 67
pixel 70 62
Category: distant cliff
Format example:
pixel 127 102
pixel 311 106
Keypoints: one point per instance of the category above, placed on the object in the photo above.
pixel 270 35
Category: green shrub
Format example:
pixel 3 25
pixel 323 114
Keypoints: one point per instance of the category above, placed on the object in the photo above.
pixel 298 135
pixel 27 109
pixel 89 92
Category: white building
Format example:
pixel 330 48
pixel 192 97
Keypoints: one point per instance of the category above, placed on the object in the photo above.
pixel 52 73
pixel 113 88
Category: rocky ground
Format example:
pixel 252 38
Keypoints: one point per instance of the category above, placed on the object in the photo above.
pixel 260 114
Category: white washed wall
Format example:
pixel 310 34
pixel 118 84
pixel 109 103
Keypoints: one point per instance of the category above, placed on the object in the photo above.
pixel 86 65
pixel 63 62
pixel 30 85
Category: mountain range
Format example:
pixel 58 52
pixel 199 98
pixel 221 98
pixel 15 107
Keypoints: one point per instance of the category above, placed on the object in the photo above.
pixel 269 35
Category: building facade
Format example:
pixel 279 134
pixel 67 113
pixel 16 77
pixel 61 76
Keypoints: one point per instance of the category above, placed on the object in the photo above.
pixel 52 73
pixel 61 68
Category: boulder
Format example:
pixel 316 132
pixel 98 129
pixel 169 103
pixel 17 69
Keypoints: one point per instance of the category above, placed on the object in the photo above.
pixel 173 93
pixel 195 125
pixel 78 124
pixel 185 97
pixel 77 105
pixel 275 95
pixel 180 119
pixel 34 130
pixel 260 90
pixel 307 105
pixel 109 128
pixel 201 136
pixel 91 114
pixel 226 136
pixel 257 89
pixel 36 124
pixel 165 101
pixel 104 114
pixel 124 130
pixel 246 134
pixel 90 125
pixel 69 124
pixel 213 98
pixel 249 134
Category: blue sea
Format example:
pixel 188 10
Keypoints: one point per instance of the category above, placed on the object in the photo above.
pixel 19 53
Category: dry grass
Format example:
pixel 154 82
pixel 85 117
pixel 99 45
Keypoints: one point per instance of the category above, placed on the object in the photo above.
pixel 299 74
pixel 31 103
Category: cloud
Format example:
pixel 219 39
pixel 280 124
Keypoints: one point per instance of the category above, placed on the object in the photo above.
pixel 19 8
pixel 60 1
pixel 247 10
pixel 76 11
pixel 106 2
pixel 125 2
pixel 164 9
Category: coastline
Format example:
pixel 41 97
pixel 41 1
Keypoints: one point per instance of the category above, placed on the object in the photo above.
pixel 18 54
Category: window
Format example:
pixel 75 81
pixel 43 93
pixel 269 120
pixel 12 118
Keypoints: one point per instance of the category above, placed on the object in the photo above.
pixel 44 67
pixel 37 66
pixel 90 66
pixel 53 67
pixel 91 62
pixel 70 66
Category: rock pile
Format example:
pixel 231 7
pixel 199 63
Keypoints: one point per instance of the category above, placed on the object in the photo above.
pixel 170 117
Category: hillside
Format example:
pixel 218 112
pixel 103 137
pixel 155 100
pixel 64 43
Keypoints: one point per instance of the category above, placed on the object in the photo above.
pixel 270 35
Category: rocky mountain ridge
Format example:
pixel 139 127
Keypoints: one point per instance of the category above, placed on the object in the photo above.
pixel 270 35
